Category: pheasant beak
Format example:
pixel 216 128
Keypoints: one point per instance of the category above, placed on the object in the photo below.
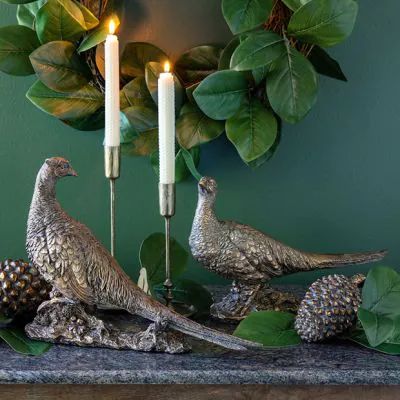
pixel 72 172
pixel 203 186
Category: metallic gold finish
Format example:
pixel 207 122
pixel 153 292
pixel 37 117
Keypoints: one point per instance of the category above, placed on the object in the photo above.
pixel 250 257
pixel 20 281
pixel 112 161
pixel 329 307
pixel 69 256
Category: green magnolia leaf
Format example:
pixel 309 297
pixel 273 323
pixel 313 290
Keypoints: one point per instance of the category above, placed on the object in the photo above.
pixel 142 118
pixel 18 341
pixel 144 144
pixel 197 63
pixel 271 328
pixel 139 133
pixel 98 35
pixel 244 15
pixel 258 162
pixel 152 73
pixel 90 20
pixel 292 86
pixel 221 94
pixel 194 128
pixel 191 163
pixel 127 131
pixel 258 50
pixel 295 4
pixel 152 257
pixel 395 337
pixel 92 122
pixel 135 57
pixel 59 67
pixel 324 22
pixel 252 130
pixel 135 93
pixel 359 337
pixel 324 64
pixel 60 20
pixel 16 44
pixel 69 106
pixel 377 327
pixel 226 54
pixel 381 292
pixel 259 74
pixel 182 171
pixel 189 93
pixel 193 294
pixel 26 13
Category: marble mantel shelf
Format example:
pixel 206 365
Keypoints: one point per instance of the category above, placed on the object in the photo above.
pixel 341 363
pixel 306 365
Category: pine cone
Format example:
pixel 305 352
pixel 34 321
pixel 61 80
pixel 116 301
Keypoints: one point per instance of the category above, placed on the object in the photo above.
pixel 22 289
pixel 329 307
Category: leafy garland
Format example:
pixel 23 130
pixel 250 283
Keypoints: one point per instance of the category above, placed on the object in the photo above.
pixel 267 73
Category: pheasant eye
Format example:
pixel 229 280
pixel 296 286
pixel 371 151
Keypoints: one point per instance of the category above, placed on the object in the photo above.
pixel 65 165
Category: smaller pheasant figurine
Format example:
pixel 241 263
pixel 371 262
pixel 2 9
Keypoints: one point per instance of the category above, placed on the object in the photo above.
pixel 251 258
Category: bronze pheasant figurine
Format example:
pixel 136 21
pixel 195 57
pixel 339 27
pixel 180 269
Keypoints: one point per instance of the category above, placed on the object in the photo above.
pixel 70 258
pixel 251 258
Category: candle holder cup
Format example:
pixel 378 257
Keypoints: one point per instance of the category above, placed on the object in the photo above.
pixel 112 162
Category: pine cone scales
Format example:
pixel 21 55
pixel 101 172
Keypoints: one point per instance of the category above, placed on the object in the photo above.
pixel 22 289
pixel 329 307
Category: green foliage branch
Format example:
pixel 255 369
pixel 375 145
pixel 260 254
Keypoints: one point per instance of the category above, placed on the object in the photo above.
pixel 267 73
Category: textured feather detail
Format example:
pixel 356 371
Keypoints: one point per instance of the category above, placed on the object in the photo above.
pixel 330 260
pixel 70 257
pixel 242 253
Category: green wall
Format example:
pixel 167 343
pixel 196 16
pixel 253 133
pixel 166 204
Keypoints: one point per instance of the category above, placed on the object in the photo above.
pixel 333 185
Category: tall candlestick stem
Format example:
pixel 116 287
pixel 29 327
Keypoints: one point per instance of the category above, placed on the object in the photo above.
pixel 112 214
pixel 112 156
pixel 168 285
pixel 167 210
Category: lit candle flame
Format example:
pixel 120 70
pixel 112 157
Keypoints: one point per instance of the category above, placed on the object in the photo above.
pixel 111 27
pixel 167 66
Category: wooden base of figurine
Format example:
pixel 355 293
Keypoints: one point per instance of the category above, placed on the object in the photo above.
pixel 244 299
pixel 60 320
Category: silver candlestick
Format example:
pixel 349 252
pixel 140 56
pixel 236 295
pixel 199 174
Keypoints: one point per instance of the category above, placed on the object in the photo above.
pixel 112 156
pixel 167 210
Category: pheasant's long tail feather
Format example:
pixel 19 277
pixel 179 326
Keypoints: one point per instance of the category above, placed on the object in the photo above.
pixel 154 311
pixel 333 260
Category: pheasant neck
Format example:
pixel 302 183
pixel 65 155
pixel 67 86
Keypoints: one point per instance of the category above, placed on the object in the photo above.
pixel 205 215
pixel 44 195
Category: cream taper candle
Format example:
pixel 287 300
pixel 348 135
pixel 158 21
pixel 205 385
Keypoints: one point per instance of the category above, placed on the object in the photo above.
pixel 112 125
pixel 166 126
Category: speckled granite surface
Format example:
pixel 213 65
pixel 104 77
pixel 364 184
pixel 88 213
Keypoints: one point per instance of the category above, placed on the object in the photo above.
pixel 306 364
pixel 340 363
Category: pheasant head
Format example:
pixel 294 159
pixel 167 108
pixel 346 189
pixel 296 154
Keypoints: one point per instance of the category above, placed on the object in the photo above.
pixel 57 167
pixel 208 189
